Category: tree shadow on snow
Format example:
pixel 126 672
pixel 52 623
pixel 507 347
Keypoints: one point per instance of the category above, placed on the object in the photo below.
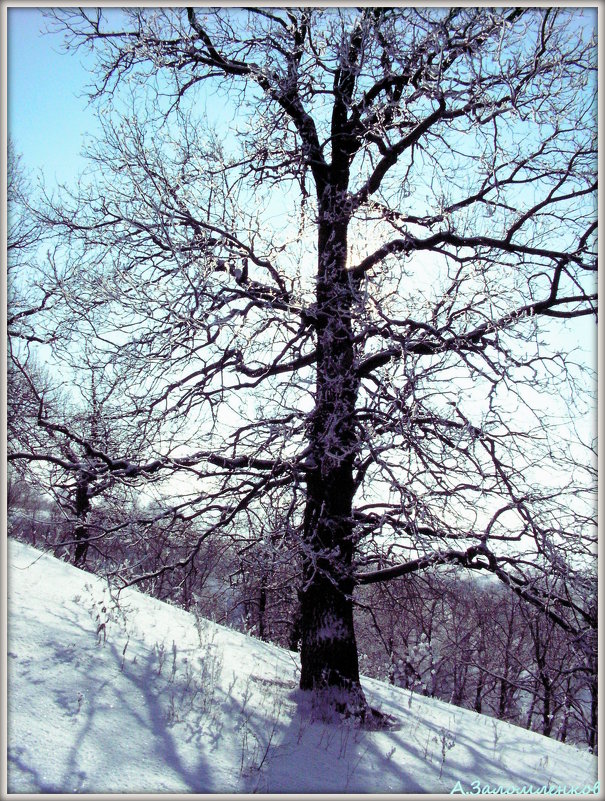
pixel 107 719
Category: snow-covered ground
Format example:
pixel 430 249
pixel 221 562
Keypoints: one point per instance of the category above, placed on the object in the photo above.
pixel 139 696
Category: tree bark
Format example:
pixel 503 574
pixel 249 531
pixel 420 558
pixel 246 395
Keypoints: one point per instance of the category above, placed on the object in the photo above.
pixel 594 713
pixel 81 530
pixel 478 706
pixel 328 649
pixel 262 607
pixel 547 719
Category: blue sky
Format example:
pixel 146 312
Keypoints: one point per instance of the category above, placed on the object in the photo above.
pixel 47 111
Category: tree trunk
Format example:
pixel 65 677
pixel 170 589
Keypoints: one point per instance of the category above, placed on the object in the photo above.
pixel 547 718
pixel 594 714
pixel 262 607
pixel 479 692
pixel 81 530
pixel 566 712
pixel 329 650
pixel 532 708
pixel 503 700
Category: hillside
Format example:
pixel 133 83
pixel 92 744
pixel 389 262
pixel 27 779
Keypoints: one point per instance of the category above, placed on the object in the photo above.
pixel 140 696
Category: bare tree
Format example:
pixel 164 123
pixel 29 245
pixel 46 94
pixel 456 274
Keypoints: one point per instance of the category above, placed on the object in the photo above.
pixel 330 248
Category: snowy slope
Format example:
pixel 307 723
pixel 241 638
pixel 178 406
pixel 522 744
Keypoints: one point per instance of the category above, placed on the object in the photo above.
pixel 142 697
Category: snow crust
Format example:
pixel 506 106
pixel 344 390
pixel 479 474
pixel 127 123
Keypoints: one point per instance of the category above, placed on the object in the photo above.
pixel 140 696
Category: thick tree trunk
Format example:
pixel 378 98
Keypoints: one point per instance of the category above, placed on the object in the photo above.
pixel 328 649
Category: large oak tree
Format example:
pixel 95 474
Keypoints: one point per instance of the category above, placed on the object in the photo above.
pixel 332 249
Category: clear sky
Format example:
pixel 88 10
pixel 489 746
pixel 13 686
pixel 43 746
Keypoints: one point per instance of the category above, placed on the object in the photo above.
pixel 47 111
